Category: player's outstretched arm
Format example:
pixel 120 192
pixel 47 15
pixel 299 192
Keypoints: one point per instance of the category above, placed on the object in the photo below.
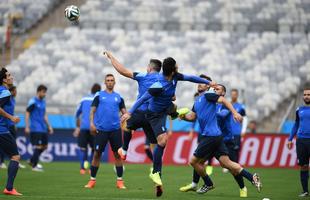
pixel 194 79
pixel 50 129
pixel 230 107
pixel 118 66
pixel 191 117
pixel 146 96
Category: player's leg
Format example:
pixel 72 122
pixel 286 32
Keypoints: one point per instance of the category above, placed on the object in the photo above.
pixel 115 139
pixel 237 147
pixel 147 149
pixel 2 164
pixel 91 141
pixel 82 143
pixel 303 153
pixel 9 147
pixel 101 139
pixel 36 140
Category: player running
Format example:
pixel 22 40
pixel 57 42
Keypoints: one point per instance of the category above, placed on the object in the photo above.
pixel 39 126
pixel 160 96
pixel 138 120
pixel 212 144
pixel 301 128
pixel 82 130
pixel 105 123
pixel 7 141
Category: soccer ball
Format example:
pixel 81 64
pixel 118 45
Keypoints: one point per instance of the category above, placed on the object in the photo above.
pixel 72 13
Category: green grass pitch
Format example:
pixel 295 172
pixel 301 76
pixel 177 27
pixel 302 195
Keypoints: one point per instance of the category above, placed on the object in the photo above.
pixel 61 180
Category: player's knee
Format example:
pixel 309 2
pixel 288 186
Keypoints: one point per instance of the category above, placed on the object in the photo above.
pixel 16 158
pixel 162 140
pixel 116 156
pixel 97 155
pixel 194 161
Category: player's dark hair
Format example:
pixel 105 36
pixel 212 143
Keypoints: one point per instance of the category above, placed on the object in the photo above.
pixel 12 88
pixel 235 90
pixel 196 94
pixel 41 88
pixel 95 88
pixel 205 77
pixel 156 64
pixel 307 87
pixel 224 88
pixel 106 76
pixel 2 75
pixel 169 66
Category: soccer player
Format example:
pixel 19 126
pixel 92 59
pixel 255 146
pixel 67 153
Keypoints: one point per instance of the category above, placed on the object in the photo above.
pixel 82 130
pixel 238 128
pixel 105 123
pixel 193 186
pixel 138 120
pixel 211 144
pixel 301 128
pixel 160 96
pixel 39 126
pixel 7 141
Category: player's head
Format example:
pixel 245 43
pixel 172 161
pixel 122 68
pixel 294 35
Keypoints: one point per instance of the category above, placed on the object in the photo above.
pixel 13 90
pixel 234 94
pixel 201 86
pixel 41 91
pixel 154 65
pixel 95 88
pixel 220 90
pixel 5 77
pixel 170 67
pixel 307 95
pixel 109 81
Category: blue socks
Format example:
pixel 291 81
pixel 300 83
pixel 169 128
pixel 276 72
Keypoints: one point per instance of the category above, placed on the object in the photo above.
pixel 149 154
pixel 93 171
pixel 127 137
pixel 304 176
pixel 119 171
pixel 83 157
pixel 12 171
pixel 207 180
pixel 239 180
pixel 196 177
pixel 157 162
pixel 246 175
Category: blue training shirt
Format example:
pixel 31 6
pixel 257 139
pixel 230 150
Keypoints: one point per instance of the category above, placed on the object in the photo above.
pixel 37 108
pixel 161 93
pixel 5 104
pixel 145 80
pixel 302 123
pixel 224 121
pixel 205 109
pixel 83 110
pixel 235 125
pixel 108 107
pixel 11 109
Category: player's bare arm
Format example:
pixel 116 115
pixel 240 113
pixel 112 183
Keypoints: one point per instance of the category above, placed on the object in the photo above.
pixel 230 107
pixel 91 119
pixel 118 66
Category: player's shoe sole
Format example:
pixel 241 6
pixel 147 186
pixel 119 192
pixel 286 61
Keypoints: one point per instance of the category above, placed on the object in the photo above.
pixel 91 184
pixel 159 190
pixel 188 188
pixel 12 192
pixel 204 189
pixel 156 178
pixel 120 153
pixel 257 182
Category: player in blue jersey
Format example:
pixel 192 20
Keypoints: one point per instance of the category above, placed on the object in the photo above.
pixel 193 186
pixel 7 141
pixel 138 120
pixel 105 123
pixel 238 128
pixel 160 96
pixel 302 130
pixel 39 127
pixel 82 130
pixel 212 144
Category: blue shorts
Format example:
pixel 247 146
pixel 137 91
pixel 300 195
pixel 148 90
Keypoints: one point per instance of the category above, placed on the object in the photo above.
pixel 103 137
pixel 12 130
pixel 85 138
pixel 230 145
pixel 237 140
pixel 211 146
pixel 138 120
pixel 38 139
pixel 8 144
pixel 303 151
pixel 157 122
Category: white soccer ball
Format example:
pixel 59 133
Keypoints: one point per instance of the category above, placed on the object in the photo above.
pixel 72 13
